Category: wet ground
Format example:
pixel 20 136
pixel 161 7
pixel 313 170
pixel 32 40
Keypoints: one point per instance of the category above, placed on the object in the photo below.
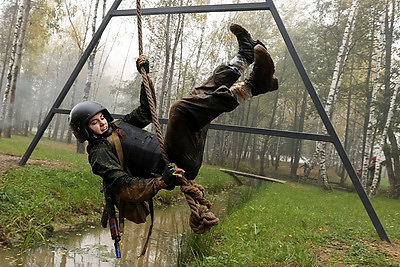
pixel 92 245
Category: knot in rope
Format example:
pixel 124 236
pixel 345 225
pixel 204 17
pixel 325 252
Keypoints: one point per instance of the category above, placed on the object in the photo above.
pixel 201 218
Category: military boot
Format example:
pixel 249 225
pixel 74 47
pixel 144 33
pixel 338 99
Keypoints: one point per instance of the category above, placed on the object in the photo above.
pixel 245 41
pixel 262 77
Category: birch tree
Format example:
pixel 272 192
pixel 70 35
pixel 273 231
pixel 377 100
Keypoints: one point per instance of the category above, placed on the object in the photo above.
pixel 92 56
pixel 80 39
pixel 387 30
pixel 372 111
pixel 382 140
pixel 7 43
pixel 178 35
pixel 14 67
pixel 335 84
pixel 80 147
pixel 167 52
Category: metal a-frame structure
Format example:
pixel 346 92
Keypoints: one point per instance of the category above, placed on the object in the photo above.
pixel 331 136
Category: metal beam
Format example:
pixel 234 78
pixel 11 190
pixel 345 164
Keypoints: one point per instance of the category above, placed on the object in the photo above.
pixel 195 9
pixel 244 129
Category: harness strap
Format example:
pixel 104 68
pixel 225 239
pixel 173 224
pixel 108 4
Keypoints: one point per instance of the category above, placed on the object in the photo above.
pixel 146 244
pixel 116 143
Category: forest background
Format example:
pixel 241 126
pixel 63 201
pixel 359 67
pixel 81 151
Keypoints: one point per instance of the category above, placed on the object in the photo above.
pixel 350 50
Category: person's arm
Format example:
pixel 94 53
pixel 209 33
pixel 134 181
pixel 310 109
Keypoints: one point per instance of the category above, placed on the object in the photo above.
pixel 143 189
pixel 141 116
pixel 105 163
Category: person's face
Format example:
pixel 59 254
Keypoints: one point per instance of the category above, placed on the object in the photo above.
pixel 98 124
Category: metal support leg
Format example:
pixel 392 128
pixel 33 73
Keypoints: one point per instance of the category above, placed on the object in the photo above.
pixel 329 127
pixel 69 83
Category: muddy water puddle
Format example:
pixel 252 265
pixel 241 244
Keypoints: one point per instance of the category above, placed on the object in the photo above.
pixel 92 246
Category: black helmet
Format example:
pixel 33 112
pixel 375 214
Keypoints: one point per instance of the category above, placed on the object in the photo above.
pixel 81 114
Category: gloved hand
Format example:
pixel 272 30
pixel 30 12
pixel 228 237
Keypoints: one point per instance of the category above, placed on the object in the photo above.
pixel 143 62
pixel 172 174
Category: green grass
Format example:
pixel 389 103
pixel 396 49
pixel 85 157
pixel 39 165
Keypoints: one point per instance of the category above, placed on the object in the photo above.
pixel 297 225
pixel 41 197
pixel 46 150
pixel 276 225
pixel 34 200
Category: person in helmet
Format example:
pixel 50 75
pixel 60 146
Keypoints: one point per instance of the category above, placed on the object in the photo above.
pixel 187 126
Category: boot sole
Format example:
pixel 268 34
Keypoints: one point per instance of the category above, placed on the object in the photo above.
pixel 236 29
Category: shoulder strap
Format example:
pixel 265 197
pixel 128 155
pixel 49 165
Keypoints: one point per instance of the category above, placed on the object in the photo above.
pixel 116 143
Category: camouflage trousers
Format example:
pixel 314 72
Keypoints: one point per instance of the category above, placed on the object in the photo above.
pixel 190 117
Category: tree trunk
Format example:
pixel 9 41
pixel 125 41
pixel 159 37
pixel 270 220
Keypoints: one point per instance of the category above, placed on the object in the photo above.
pixel 278 143
pixel 92 56
pixel 346 138
pixel 298 142
pixel 292 142
pixel 382 140
pixel 15 66
pixel 6 54
pixel 368 98
pixel 264 150
pixel 336 82
pixel 167 51
pixel 372 117
pixel 393 166
pixel 72 104
pixel 80 147
pixel 245 139
pixel 240 137
pixel 178 36
pixel 199 53
pixel 56 128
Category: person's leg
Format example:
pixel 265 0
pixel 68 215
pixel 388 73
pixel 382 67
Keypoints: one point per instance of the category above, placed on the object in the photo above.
pixel 189 117
pixel 228 74
pixel 261 80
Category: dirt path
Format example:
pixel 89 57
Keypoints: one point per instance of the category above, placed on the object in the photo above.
pixel 8 161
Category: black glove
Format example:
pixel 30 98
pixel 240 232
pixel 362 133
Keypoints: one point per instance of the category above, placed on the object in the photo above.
pixel 145 65
pixel 169 176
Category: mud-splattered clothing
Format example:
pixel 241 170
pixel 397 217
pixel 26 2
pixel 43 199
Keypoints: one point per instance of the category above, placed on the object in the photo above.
pixel 184 140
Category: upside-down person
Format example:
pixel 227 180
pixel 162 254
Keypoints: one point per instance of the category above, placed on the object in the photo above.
pixel 146 173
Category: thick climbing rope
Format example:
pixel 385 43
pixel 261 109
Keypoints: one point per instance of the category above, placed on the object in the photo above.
pixel 201 218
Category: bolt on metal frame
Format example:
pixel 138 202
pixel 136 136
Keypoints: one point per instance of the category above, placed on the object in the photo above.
pixel 331 137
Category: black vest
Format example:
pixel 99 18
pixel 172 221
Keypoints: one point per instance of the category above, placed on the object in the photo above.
pixel 141 149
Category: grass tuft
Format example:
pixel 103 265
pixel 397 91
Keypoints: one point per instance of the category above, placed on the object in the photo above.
pixel 297 225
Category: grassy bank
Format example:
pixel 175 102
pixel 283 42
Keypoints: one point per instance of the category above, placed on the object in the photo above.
pixel 57 189
pixel 277 225
pixel 54 190
pixel 298 225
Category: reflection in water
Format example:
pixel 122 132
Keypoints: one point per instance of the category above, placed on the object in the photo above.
pixel 94 247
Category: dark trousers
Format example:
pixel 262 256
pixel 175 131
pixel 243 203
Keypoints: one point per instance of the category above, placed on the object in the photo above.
pixel 190 117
